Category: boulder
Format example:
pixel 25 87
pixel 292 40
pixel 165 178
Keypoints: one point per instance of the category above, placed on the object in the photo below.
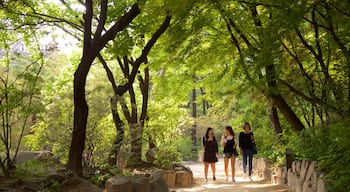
pixel 321 186
pixel 76 184
pixel 40 156
pixel 151 155
pixel 119 184
pixel 158 183
pixel 141 184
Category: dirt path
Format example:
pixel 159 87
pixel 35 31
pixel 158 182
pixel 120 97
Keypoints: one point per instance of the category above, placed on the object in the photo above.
pixel 221 185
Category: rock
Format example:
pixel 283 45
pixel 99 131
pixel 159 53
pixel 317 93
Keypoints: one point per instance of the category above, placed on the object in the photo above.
pixel 77 184
pixel 291 178
pixel 158 183
pixel 299 185
pixel 151 155
pixel 310 171
pixel 321 187
pixel 170 178
pixel 40 156
pixel 33 185
pixel 284 176
pixel 184 178
pixel 298 168
pixel 119 184
pixel 56 178
pixel 141 184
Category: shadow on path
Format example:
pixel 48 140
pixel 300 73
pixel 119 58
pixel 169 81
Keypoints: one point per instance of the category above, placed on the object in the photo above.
pixel 221 185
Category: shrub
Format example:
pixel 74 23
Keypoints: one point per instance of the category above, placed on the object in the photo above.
pixel 168 155
pixel 184 146
pixel 329 145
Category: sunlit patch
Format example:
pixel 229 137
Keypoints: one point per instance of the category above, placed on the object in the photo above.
pixel 216 186
pixel 258 185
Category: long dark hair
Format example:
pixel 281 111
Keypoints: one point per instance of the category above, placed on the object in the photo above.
pixel 229 129
pixel 207 133
pixel 245 124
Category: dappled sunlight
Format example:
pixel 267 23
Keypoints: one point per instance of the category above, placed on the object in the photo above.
pixel 258 185
pixel 221 185
pixel 216 185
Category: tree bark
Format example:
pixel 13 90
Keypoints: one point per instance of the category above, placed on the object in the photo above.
pixel 287 112
pixel 273 92
pixel 119 126
pixel 136 124
pixel 275 122
pixel 90 51
pixel 194 126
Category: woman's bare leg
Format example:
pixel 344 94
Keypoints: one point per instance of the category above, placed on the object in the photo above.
pixel 206 166
pixel 213 169
pixel 233 162
pixel 226 160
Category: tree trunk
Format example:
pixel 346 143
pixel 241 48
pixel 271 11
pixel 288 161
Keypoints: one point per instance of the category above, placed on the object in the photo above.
pixel 194 126
pixel 91 49
pixel 80 121
pixel 275 122
pixel 136 125
pixel 119 126
pixel 271 77
pixel 287 112
pixel 204 102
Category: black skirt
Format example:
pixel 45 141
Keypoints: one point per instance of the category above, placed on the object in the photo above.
pixel 210 158
pixel 211 148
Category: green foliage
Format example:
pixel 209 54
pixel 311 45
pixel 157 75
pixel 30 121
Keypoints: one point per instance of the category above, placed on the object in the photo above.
pixel 184 147
pixel 167 154
pixel 328 144
pixel 31 168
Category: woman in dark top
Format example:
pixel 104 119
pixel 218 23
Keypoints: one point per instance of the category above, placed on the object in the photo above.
pixel 246 140
pixel 228 142
pixel 210 147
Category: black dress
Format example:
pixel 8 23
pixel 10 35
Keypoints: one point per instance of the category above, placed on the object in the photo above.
pixel 210 150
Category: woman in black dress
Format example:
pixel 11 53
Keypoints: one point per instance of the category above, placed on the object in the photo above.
pixel 210 148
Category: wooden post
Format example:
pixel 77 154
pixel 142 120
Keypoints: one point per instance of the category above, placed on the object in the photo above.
pixel 289 158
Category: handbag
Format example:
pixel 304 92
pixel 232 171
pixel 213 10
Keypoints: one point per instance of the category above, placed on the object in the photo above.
pixel 201 155
pixel 255 151
pixel 236 152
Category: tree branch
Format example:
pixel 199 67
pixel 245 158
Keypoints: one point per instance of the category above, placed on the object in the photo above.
pixel 143 57
pixel 108 71
pixel 102 20
pixel 87 27
pixel 307 98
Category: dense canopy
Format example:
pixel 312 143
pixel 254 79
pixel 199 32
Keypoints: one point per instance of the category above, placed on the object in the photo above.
pixel 101 83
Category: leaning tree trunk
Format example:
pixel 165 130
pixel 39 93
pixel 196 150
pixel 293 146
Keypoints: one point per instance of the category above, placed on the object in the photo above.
pixel 275 122
pixel 273 92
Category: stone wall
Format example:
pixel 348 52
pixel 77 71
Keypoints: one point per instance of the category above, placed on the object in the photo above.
pixel 303 176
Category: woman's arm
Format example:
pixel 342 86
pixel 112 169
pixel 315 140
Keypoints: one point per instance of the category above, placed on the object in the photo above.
pixel 252 137
pixel 235 141
pixel 203 142
pixel 240 139
pixel 223 143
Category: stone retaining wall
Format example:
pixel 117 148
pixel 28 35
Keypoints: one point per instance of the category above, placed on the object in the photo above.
pixel 303 177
